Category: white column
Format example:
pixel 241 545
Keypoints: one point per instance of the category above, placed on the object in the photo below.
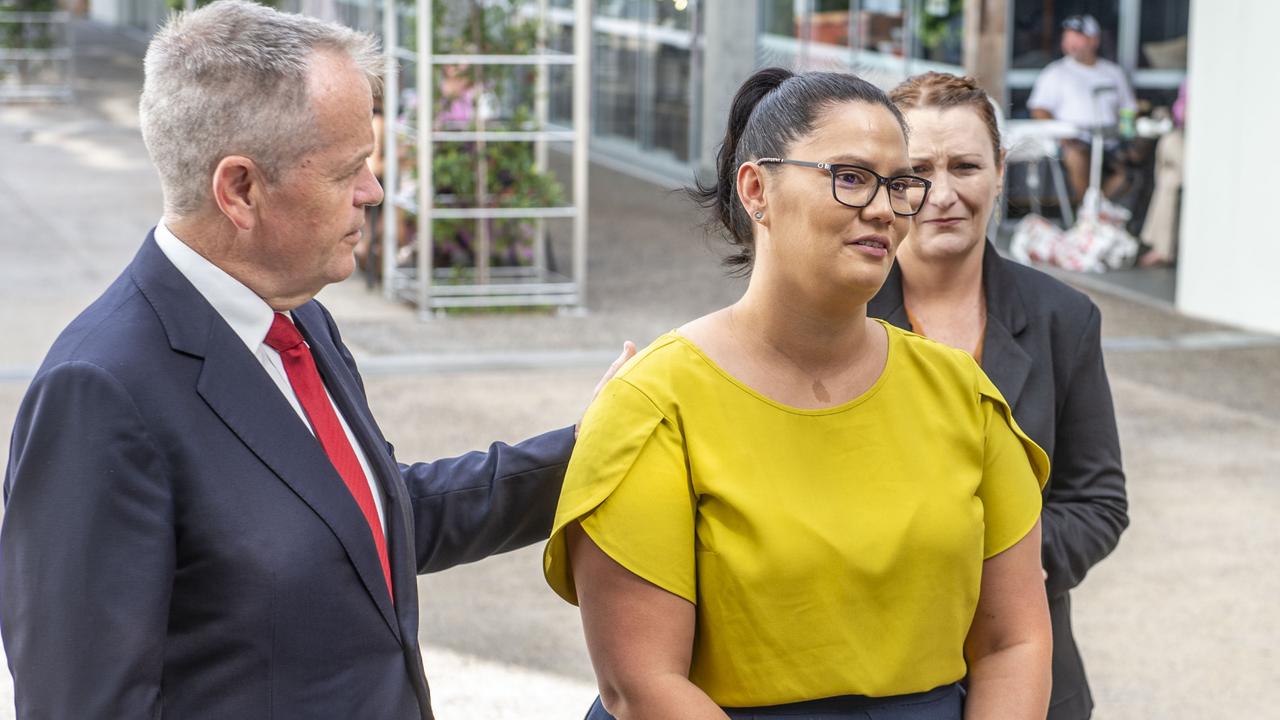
pixel 1229 253
pixel 730 32
pixel 108 12
pixel 581 143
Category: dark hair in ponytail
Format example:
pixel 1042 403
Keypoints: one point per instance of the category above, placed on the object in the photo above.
pixel 771 110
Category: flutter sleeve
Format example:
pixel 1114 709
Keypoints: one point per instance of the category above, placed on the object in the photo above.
pixel 628 485
pixel 1015 471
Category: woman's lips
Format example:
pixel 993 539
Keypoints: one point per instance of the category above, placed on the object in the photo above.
pixel 874 245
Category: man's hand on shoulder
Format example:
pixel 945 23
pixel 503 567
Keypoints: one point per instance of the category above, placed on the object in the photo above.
pixel 628 351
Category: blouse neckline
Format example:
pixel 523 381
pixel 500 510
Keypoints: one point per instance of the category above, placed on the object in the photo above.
pixel 866 395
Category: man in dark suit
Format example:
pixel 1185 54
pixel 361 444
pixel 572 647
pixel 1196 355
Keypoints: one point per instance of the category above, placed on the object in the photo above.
pixel 202 518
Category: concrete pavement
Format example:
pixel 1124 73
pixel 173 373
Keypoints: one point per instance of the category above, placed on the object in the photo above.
pixel 1179 623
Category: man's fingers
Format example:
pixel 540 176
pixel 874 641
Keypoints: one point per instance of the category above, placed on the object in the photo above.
pixel 628 350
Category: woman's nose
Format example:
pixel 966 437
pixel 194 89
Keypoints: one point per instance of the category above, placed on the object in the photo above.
pixel 941 194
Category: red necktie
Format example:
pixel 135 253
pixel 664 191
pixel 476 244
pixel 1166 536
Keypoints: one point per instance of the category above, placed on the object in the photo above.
pixel 284 338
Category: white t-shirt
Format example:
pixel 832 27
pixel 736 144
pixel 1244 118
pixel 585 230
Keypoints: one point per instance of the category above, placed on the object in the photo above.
pixel 1074 92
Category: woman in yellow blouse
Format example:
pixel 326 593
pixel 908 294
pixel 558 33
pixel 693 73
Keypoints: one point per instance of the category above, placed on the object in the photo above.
pixel 785 508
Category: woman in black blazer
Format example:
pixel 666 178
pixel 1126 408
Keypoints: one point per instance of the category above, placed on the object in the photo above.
pixel 1037 339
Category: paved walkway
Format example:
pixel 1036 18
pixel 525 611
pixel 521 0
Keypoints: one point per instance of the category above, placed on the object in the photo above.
pixel 1179 623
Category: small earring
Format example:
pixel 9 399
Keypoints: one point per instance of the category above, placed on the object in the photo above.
pixel 759 214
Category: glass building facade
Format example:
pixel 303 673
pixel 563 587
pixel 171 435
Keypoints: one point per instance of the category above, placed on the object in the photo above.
pixel 883 40
pixel 649 73
pixel 645 77
pixel 648 77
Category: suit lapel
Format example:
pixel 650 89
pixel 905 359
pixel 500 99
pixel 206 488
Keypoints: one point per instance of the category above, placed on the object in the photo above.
pixel 238 390
pixel 235 386
pixel 1003 359
pixel 888 303
pixel 396 508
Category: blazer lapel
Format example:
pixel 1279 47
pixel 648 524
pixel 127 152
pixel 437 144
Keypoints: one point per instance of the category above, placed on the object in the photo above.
pixel 888 303
pixel 396 508
pixel 235 386
pixel 1003 359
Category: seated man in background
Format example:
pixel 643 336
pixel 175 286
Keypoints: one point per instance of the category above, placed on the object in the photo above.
pixel 1087 91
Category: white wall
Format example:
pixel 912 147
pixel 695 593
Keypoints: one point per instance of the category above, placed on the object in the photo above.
pixel 1229 257
pixel 729 37
pixel 105 11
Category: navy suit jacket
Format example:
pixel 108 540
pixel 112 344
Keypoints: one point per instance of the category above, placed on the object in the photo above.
pixel 1043 350
pixel 176 543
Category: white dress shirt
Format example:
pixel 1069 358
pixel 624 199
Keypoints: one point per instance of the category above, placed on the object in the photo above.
pixel 250 318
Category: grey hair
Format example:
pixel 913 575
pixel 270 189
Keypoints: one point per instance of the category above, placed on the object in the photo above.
pixel 231 79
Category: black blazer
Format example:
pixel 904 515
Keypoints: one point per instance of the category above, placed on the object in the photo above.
pixel 176 544
pixel 1043 350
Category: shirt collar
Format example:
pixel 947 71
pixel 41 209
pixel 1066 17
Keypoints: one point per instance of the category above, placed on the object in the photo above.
pixel 248 315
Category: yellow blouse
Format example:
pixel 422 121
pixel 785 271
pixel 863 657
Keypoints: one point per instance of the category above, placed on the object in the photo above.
pixel 828 552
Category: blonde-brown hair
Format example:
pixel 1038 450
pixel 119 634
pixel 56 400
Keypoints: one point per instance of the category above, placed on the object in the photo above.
pixel 943 91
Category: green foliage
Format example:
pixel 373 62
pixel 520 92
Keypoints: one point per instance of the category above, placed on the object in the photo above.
pixel 937 31
pixel 28 5
pixel 493 27
pixel 27 35
pixel 511 182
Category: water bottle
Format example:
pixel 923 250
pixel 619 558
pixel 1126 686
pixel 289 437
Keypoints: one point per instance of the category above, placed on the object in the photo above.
pixel 1127 127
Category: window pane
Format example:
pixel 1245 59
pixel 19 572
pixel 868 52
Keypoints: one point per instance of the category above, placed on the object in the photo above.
pixel 616 79
pixel 671 101
pixel 1037 29
pixel 779 17
pixel 674 14
pixel 829 26
pixel 880 27
pixel 626 9
pixel 1162 37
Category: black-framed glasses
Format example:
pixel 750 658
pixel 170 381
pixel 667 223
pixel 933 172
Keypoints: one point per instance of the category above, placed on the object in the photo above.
pixel 856 186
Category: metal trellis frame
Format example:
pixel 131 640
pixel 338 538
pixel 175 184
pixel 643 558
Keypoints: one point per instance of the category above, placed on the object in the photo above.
pixel 44 71
pixel 434 289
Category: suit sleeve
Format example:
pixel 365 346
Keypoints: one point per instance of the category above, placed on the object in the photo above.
pixel 87 551
pixel 1086 508
pixel 481 503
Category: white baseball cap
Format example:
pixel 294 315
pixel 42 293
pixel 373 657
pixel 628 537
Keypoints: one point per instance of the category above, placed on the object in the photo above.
pixel 1086 25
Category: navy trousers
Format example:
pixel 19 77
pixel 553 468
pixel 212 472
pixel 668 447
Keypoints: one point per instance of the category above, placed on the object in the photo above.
pixel 942 703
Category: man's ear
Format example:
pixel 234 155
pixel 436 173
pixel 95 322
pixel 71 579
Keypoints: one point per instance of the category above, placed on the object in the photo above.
pixel 237 190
